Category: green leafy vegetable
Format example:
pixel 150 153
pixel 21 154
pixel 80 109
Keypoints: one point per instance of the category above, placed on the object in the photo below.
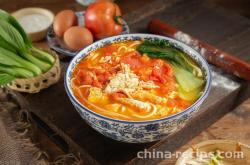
pixel 189 96
pixel 9 34
pixel 18 57
pixel 187 81
pixel 16 71
pixel 12 59
pixel 5 79
pixel 5 45
pixel 44 56
pixel 187 74
pixel 162 49
pixel 13 38
pixel 11 20
pixel 41 64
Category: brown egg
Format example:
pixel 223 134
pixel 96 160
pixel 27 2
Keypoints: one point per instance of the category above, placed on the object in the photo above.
pixel 63 21
pixel 77 37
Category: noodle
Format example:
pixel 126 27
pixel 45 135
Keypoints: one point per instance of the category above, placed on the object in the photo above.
pixel 92 56
pixel 148 115
pixel 84 86
pixel 104 111
pixel 121 76
pixel 134 44
pixel 120 52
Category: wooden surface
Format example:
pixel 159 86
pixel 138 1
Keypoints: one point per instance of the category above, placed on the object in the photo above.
pixel 233 126
pixel 228 31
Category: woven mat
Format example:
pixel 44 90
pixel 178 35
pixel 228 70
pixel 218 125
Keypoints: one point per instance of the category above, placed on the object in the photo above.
pixel 15 145
pixel 16 128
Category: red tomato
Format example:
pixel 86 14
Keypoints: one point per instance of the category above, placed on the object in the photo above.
pixel 103 19
pixel 103 78
pixel 96 83
pixel 84 78
pixel 133 59
pixel 161 71
pixel 117 95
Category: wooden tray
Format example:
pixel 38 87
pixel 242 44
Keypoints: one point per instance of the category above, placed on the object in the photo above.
pixel 54 113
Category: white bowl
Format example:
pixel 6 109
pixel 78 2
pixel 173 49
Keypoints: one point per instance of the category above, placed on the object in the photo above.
pixel 36 35
pixel 229 147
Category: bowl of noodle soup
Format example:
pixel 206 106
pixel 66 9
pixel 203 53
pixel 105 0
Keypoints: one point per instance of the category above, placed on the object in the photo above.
pixel 137 88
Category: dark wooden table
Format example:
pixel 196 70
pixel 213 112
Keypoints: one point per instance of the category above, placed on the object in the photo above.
pixel 204 20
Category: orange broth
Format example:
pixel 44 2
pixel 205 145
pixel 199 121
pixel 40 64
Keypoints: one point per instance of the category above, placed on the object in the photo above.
pixel 118 82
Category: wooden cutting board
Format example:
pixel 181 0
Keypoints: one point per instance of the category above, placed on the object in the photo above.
pixel 54 113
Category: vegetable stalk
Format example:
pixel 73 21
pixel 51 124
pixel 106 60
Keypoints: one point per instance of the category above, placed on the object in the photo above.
pixel 16 71
pixel 18 57
pixel 12 59
pixel 187 74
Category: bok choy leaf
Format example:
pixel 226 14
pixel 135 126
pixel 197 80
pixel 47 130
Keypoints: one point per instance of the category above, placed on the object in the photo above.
pixel 187 74
pixel 44 56
pixel 5 79
pixel 187 81
pixel 16 71
pixel 11 36
pixel 11 20
pixel 11 59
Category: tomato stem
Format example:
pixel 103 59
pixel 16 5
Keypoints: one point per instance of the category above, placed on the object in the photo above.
pixel 118 20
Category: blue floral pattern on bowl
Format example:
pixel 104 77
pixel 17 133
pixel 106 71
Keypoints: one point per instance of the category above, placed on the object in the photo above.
pixel 57 43
pixel 137 131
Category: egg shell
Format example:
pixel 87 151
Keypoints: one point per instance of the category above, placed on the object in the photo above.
pixel 77 38
pixel 63 21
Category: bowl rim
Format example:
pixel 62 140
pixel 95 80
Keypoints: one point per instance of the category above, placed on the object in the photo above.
pixel 198 102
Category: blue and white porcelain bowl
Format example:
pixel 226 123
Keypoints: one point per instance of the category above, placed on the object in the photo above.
pixel 137 131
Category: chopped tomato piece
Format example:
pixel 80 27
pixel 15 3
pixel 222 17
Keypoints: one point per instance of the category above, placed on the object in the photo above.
pixel 103 78
pixel 133 59
pixel 157 62
pixel 98 71
pixel 163 67
pixel 157 71
pixel 118 95
pixel 167 88
pixel 114 70
pixel 97 84
pixel 84 78
pixel 161 71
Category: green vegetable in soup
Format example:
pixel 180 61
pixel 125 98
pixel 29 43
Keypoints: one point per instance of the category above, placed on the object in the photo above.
pixel 189 96
pixel 188 75
pixel 162 49
pixel 187 81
